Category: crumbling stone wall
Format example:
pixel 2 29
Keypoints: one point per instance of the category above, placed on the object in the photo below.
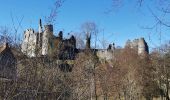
pixel 139 45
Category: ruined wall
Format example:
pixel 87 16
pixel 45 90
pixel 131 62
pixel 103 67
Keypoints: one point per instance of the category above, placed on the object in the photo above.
pixel 47 41
pixel 67 48
pixel 29 43
pixel 139 45
pixel 142 46
pixel 106 54
pixel 58 41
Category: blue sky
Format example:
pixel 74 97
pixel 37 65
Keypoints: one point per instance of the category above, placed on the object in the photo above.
pixel 122 23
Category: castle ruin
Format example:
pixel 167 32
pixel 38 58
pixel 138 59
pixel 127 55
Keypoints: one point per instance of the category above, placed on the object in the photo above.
pixel 45 43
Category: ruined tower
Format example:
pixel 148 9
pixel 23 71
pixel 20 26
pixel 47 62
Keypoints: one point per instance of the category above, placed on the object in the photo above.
pixel 88 38
pixel 142 46
pixel 60 35
pixel 139 45
pixel 47 41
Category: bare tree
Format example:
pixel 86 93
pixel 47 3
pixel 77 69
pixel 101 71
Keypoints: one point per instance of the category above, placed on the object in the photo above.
pixel 51 18
pixel 84 70
pixel 5 36
pixel 90 29
pixel 161 63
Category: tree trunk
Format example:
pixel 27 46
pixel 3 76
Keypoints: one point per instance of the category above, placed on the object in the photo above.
pixel 167 86
pixel 95 88
pixel 167 95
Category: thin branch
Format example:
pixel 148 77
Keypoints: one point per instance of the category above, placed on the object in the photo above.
pixel 158 19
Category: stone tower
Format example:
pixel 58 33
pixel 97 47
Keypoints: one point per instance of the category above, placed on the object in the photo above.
pixel 88 42
pixel 60 35
pixel 142 46
pixel 47 41
pixel 139 45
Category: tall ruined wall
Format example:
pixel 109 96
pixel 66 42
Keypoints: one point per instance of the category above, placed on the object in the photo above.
pixel 47 41
pixel 65 47
pixel 25 41
pixel 29 43
pixel 139 45
pixel 142 46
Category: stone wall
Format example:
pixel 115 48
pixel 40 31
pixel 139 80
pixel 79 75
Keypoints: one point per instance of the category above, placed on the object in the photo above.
pixel 29 43
pixel 139 45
